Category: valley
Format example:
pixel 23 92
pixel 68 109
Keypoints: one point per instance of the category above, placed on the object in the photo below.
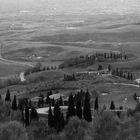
pixel 28 39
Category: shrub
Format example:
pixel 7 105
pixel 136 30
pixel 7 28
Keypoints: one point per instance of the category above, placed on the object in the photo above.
pixel 13 131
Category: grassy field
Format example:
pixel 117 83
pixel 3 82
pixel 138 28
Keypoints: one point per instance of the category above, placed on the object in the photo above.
pixel 42 39
pixel 10 69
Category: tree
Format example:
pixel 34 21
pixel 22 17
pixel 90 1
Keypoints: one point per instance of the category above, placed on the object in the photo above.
pixel 27 120
pixel 71 108
pixel 13 131
pixel 106 126
pixel 62 122
pixel 100 67
pixel 87 109
pixel 96 105
pixel 109 67
pixel 112 105
pixel 128 76
pixel 77 129
pixel 50 118
pixel 57 116
pixel 48 100
pixel 22 103
pixel 79 109
pixel 61 101
pixel 131 76
pixel 53 102
pixel 8 96
pixel 33 114
pixel 14 103
pixel 135 97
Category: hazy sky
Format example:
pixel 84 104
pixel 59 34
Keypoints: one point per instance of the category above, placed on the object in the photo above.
pixel 64 6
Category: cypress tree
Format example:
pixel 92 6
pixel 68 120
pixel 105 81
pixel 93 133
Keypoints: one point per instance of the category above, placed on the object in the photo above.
pixel 39 103
pixel 131 76
pixel 62 122
pixel 61 101
pixel 14 103
pixel 57 115
pixel 50 118
pixel 109 67
pixel 128 76
pixel 30 104
pixel 8 96
pixel 71 108
pixel 112 105
pixel 53 102
pixel 96 105
pixel 33 114
pixel 87 109
pixel 135 97
pixel 27 120
pixel 79 109
pixel 48 100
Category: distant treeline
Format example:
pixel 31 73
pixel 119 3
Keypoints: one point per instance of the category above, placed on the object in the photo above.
pixel 38 68
pixel 69 77
pixel 98 57
pixel 123 74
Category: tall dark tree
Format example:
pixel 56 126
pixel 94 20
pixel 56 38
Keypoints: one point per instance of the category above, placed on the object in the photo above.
pixel 109 67
pixel 14 103
pixel 79 109
pixel 8 96
pixel 87 109
pixel 53 102
pixel 50 118
pixel 61 101
pixel 128 76
pixel 22 103
pixel 27 119
pixel 100 67
pixel 112 105
pixel 57 116
pixel 62 122
pixel 135 96
pixel 71 107
pixel 48 100
pixel 33 114
pixel 96 105
pixel 30 104
pixel 131 76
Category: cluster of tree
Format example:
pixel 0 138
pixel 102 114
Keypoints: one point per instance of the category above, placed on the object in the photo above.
pixel 110 56
pixel 90 60
pixel 47 101
pixel 120 73
pixel 69 77
pixel 38 68
pixel 56 118
pixel 28 112
pixel 50 68
pixel 135 96
pixel 105 126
